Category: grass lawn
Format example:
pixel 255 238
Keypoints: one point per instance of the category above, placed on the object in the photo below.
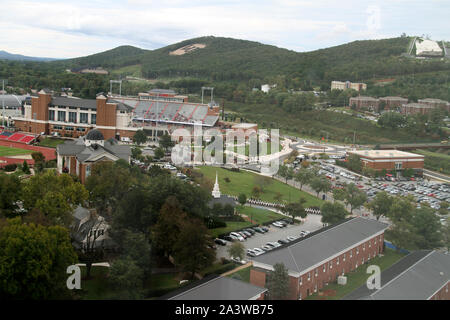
pixel 244 181
pixel 243 273
pixel 436 161
pixel 357 278
pixel 260 215
pixel 97 287
pixel 163 281
pixel 7 151
pixel 51 142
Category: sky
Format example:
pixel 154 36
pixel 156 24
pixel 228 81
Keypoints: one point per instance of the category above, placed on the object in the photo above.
pixel 61 29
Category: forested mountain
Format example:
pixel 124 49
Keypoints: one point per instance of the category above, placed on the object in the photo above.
pixel 10 56
pixel 229 63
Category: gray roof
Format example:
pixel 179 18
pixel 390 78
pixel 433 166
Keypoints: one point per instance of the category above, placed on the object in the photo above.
pixel 84 103
pixel 221 288
pixel 74 102
pixel 82 152
pixel 95 134
pixel 223 200
pixel 389 274
pixel 308 252
pixel 162 91
pixel 420 281
pixel 12 100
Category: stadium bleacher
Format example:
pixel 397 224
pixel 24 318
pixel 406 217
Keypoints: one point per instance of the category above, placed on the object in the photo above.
pixel 170 111
pixel 17 137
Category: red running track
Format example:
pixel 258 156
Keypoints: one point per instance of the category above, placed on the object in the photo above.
pixel 49 153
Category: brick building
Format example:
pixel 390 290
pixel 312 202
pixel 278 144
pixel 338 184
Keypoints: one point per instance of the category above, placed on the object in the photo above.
pixel 118 117
pixel 390 160
pixel 435 103
pixel 78 156
pixel 364 103
pixel 339 85
pixel 415 108
pixel 321 257
pixel 393 103
pixel 421 275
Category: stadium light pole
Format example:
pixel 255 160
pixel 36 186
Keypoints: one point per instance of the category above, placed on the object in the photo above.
pixel 3 101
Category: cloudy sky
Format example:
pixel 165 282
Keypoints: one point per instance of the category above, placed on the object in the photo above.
pixel 59 29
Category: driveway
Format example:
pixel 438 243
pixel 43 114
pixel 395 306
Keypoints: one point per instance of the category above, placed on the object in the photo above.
pixel 312 223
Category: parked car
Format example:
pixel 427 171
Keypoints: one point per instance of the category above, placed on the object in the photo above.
pixel 265 228
pixel 282 241
pixel 291 238
pixel 237 260
pixel 248 234
pixel 259 230
pixel 237 236
pixel 252 232
pixel 258 251
pixel 266 248
pixel 278 224
pixel 220 242
pixel 242 234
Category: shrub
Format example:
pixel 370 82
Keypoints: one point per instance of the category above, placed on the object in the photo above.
pixel 11 167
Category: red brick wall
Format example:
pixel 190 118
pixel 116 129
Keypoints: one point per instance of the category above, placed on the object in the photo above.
pixel 443 294
pixel 326 274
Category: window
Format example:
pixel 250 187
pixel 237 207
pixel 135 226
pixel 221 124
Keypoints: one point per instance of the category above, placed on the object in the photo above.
pixel 351 253
pixel 93 118
pixel 69 128
pixel 62 116
pixel 81 129
pixel 300 282
pixel 375 241
pixel 309 276
pixel 337 261
pixel 73 117
pixel 57 127
pixel 398 166
pixel 357 250
pixel 364 247
pixel 51 115
pixel 331 264
pixel 83 117
pixel 370 244
pixel 343 259
pixel 315 288
pixel 317 272
pixel 88 171
pixel 324 268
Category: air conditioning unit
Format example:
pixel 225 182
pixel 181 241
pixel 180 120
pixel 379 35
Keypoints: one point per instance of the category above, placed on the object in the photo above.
pixel 342 280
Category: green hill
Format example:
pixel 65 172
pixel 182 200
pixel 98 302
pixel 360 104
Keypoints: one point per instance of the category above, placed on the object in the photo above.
pixel 232 59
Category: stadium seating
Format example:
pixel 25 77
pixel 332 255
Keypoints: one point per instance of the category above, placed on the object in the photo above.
pixel 16 137
pixel 27 139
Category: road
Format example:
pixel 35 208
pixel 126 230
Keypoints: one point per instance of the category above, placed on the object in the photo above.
pixel 436 175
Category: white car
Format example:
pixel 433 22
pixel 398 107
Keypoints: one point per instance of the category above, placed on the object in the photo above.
pixel 277 224
pixel 273 244
pixel 266 248
pixel 258 251
pixel 236 236
pixel 291 238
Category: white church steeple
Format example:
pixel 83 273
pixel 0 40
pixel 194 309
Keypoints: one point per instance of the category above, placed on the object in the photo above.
pixel 216 191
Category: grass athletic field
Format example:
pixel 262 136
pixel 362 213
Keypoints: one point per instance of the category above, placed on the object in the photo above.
pixel 7 151
pixel 244 181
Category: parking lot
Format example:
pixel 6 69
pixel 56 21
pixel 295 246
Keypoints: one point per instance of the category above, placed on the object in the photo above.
pixel 312 223
pixel 431 192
